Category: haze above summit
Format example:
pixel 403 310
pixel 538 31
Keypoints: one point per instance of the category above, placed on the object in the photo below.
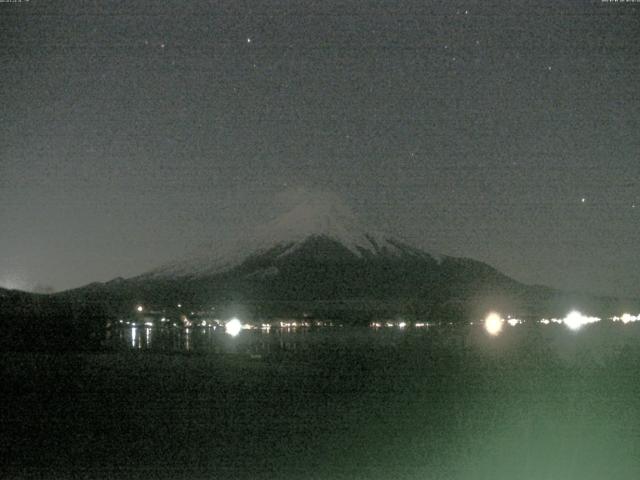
pixel 305 214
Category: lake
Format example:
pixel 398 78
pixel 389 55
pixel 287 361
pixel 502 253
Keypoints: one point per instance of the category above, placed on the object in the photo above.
pixel 333 403
pixel 257 341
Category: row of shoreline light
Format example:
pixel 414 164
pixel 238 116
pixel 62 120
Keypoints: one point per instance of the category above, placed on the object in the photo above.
pixel 493 323
pixel 574 320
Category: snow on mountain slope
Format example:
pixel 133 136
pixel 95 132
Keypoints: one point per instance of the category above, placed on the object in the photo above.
pixel 315 214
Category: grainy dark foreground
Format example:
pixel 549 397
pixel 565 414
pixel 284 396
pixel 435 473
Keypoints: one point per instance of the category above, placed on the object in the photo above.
pixel 424 406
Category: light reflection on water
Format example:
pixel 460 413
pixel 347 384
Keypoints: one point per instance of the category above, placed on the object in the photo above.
pixel 254 342
pixel 134 336
pixel 596 342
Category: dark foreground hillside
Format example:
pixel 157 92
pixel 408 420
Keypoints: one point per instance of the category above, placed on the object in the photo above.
pixel 438 405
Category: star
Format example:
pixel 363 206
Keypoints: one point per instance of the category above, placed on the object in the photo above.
pixel 248 39
pixel 583 199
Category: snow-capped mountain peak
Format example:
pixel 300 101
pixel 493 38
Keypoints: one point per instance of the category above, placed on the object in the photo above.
pixel 321 215
pixel 306 215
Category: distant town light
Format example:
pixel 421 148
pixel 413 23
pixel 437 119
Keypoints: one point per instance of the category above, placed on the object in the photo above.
pixel 402 324
pixel 574 320
pixel 627 317
pixel 233 327
pixel 139 308
pixel 493 324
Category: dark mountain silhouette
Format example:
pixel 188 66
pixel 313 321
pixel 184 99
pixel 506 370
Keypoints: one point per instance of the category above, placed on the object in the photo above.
pixel 315 260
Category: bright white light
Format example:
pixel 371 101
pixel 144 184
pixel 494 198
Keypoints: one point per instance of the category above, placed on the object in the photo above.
pixel 627 317
pixel 493 324
pixel 139 308
pixel 402 324
pixel 547 321
pixel 513 322
pixel 575 320
pixel 233 327
pixel 148 324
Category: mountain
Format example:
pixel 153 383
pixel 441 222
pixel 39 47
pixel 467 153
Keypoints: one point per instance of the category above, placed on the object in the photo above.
pixel 315 259
pixel 317 217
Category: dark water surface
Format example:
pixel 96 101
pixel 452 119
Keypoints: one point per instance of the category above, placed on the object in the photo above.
pixel 209 340
pixel 331 403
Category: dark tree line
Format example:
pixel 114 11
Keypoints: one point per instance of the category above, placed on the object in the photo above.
pixel 50 323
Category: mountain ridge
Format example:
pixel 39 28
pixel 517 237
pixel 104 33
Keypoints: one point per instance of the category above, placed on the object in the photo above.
pixel 316 259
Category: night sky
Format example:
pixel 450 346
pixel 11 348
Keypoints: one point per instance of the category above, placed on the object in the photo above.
pixel 508 132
